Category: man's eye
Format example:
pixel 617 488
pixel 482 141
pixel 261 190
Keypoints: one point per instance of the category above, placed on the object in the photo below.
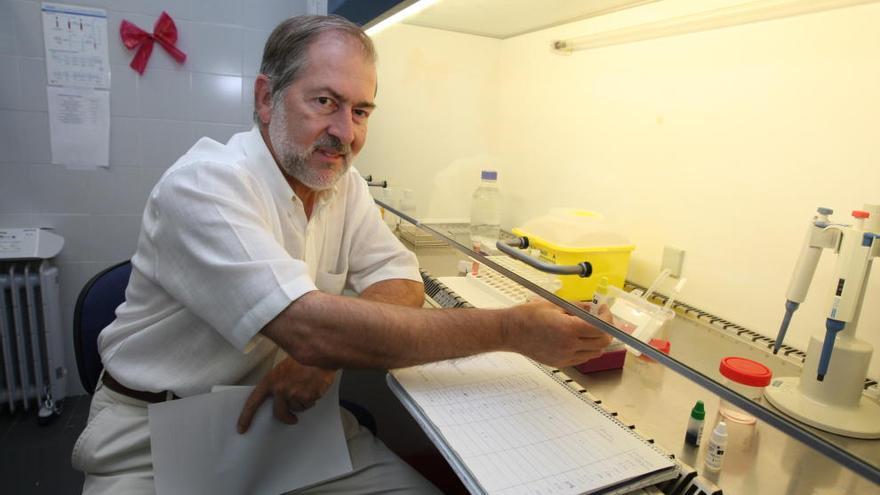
pixel 325 103
pixel 362 113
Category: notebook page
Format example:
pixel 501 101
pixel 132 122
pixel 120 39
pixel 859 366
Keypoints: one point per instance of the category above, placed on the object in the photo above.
pixel 519 431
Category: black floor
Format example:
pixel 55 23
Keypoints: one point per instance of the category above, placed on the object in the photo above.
pixel 34 458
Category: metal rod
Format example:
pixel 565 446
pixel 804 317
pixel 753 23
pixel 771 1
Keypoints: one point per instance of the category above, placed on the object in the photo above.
pixel 369 179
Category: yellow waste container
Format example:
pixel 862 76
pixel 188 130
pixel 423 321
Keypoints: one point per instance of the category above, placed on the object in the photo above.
pixel 568 237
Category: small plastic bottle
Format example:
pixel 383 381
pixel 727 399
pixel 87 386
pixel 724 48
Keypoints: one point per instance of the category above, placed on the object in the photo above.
pixel 695 425
pixel 408 202
pixel 486 212
pixel 717 446
pixel 388 197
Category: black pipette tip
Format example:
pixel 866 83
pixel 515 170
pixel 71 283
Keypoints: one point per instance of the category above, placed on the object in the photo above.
pixel 820 377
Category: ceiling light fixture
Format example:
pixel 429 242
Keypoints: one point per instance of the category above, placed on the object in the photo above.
pixel 404 10
pixel 762 10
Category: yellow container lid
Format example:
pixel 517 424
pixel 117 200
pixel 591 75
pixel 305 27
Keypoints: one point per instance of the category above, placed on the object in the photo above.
pixel 573 231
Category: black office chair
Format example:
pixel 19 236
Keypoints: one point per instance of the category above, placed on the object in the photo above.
pixel 96 308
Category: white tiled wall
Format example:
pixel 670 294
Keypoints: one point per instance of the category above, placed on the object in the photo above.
pixel 154 118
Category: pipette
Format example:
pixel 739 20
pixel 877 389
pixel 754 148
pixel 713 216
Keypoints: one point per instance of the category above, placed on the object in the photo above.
pixel 850 274
pixel 803 272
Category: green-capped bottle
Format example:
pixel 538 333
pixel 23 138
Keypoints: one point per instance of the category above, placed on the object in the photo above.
pixel 695 425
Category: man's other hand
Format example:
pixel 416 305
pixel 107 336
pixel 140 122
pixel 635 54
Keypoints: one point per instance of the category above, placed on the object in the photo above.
pixel 295 388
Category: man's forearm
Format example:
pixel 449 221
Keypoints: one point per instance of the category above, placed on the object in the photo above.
pixel 340 332
pixel 398 291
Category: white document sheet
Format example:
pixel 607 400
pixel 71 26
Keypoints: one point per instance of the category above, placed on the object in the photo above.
pixel 516 427
pixel 76 46
pixel 79 126
pixel 196 448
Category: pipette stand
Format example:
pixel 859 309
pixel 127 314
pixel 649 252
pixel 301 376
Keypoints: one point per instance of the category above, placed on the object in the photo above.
pixel 835 404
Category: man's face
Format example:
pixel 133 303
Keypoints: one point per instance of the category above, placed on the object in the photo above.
pixel 320 123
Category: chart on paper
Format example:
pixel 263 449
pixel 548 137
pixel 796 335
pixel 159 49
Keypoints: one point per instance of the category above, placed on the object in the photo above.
pixel 520 431
pixel 75 40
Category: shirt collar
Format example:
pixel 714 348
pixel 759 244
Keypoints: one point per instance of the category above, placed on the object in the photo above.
pixel 267 169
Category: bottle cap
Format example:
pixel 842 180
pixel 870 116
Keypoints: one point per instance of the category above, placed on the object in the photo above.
pixel 860 214
pixel 698 412
pixel 661 345
pixel 746 371
pixel 720 430
pixel 489 175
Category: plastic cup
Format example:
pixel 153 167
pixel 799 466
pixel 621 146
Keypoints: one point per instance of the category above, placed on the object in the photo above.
pixel 747 378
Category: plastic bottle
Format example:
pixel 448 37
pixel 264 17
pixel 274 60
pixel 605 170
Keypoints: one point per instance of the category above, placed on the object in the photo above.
pixel 695 425
pixel 717 446
pixel 408 203
pixel 486 212
pixel 388 196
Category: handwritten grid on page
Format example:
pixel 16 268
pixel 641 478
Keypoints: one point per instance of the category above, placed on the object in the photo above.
pixel 519 431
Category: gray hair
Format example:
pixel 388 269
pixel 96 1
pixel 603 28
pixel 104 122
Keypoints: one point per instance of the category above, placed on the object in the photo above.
pixel 286 52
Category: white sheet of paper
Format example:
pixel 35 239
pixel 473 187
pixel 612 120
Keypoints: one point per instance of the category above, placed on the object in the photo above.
pixel 79 126
pixel 196 448
pixel 76 46
pixel 517 429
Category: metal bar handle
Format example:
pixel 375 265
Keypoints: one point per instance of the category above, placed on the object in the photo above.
pixel 371 183
pixel 583 269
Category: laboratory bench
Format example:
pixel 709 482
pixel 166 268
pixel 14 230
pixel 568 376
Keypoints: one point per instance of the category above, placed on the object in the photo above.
pixel 657 400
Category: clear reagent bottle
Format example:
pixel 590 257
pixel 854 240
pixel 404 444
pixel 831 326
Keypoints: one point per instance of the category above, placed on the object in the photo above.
pixel 717 446
pixel 486 212
pixel 695 425
pixel 408 203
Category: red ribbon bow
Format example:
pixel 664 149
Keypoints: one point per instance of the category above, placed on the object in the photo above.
pixel 165 32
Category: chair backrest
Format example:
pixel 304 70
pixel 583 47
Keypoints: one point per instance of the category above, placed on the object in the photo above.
pixel 95 309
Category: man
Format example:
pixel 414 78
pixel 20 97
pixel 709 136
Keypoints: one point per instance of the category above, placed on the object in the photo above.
pixel 244 250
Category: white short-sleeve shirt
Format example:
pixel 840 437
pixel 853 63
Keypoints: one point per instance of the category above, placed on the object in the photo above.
pixel 224 247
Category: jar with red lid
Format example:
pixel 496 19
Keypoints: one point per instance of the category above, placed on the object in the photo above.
pixel 747 378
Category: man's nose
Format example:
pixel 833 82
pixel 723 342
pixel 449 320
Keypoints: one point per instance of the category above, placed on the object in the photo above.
pixel 342 127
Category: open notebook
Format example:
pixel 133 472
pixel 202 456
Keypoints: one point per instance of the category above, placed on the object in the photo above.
pixel 508 425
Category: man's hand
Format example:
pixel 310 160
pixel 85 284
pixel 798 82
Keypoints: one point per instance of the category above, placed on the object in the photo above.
pixel 295 388
pixel 548 334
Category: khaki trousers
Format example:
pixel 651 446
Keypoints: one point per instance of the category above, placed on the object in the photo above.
pixel 114 453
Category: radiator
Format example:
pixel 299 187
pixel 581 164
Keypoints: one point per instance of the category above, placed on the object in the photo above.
pixel 32 374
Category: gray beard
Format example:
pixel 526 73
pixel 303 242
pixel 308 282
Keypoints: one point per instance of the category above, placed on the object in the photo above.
pixel 294 161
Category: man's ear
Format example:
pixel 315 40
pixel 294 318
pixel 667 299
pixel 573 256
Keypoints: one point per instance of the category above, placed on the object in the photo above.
pixel 263 98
